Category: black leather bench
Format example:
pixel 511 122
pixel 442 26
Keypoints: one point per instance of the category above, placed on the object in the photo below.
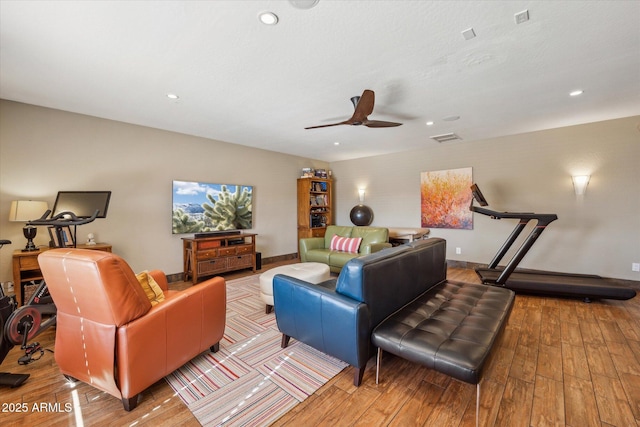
pixel 451 328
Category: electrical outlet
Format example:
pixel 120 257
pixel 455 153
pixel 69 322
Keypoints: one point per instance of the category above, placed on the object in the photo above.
pixel 458 251
pixel 635 266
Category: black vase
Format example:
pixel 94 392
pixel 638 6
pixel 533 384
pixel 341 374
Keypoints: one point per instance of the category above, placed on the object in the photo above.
pixel 361 215
pixel 29 232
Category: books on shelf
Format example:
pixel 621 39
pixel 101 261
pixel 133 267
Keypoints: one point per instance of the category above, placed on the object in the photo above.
pixel 318 200
pixel 315 204
pixel 315 173
pixel 317 186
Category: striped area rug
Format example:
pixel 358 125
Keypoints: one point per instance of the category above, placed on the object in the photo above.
pixel 251 381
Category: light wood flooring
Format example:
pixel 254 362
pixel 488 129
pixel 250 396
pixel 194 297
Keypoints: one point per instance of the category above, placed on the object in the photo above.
pixel 559 362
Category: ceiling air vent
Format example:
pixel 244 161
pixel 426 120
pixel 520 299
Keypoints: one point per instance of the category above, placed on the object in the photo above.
pixel 446 137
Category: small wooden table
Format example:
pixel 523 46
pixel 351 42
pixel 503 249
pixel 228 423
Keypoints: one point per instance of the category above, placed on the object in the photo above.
pixel 26 268
pixel 398 236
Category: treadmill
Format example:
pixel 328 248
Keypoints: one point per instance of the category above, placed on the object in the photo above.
pixel 583 286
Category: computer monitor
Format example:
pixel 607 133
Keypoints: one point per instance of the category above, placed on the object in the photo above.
pixel 82 204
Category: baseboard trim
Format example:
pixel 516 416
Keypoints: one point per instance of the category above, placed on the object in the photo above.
pixel 464 264
pixel 175 277
pixel 279 258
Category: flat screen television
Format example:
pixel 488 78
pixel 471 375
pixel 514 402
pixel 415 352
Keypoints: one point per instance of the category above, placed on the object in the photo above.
pixel 200 207
pixel 83 204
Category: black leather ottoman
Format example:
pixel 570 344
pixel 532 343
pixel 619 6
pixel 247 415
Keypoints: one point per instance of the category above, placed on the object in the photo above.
pixel 450 328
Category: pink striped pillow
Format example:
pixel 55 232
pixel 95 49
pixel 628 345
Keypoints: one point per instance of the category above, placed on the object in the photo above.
pixel 345 244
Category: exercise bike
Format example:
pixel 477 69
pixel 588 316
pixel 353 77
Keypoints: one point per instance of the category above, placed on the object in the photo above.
pixel 39 311
pixel 7 307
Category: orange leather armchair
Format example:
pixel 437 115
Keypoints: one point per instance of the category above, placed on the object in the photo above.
pixel 108 333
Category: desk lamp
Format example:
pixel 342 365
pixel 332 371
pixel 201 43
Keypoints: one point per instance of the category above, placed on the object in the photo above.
pixel 25 211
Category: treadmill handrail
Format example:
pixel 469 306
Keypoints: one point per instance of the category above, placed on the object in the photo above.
pixel 524 218
pixel 542 218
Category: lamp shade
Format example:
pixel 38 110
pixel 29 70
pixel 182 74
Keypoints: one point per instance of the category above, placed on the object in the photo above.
pixel 27 210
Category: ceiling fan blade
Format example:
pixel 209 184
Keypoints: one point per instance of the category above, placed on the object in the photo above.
pixel 326 126
pixel 364 106
pixel 380 124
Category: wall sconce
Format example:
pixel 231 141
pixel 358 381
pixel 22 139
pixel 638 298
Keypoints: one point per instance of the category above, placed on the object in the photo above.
pixel 361 194
pixel 580 183
pixel 25 211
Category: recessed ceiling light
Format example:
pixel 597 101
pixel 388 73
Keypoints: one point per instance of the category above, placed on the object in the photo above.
pixel 268 18
pixel 336 143
pixel 429 123
pixel 576 93
pixel 172 96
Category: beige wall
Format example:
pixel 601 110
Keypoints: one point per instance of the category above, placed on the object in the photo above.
pixel 598 233
pixel 43 151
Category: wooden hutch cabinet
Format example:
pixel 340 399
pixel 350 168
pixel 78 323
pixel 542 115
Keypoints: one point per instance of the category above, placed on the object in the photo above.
pixel 315 207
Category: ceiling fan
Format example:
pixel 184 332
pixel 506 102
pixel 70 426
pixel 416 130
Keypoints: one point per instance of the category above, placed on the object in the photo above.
pixel 363 107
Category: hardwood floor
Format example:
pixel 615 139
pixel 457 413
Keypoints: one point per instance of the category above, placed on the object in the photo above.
pixel 559 362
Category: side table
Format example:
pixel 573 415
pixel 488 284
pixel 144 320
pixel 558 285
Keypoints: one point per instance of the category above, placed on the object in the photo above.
pixel 26 268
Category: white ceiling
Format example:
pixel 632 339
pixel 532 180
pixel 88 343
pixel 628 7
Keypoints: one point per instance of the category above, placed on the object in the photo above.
pixel 247 83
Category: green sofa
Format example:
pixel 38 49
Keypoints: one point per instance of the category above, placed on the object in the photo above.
pixel 317 249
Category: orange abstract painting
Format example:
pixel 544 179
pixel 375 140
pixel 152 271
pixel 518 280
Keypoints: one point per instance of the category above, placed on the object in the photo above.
pixel 445 198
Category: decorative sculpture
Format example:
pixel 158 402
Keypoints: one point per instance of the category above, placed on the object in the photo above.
pixel 361 215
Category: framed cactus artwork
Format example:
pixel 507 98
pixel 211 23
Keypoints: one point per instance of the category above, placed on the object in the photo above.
pixel 200 207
